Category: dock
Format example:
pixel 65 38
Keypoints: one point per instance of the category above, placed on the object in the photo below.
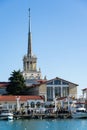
pixel 43 116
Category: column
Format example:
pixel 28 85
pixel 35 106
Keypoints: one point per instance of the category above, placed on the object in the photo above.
pixel 61 89
pixel 53 92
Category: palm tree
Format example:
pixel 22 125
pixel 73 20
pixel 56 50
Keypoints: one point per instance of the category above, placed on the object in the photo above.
pixel 17 83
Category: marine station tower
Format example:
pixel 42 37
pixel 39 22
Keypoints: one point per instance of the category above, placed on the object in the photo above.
pixel 30 71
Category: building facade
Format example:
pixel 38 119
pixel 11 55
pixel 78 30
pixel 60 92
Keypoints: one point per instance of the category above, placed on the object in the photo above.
pixel 38 89
pixel 54 88
pixel 3 86
pixel 20 103
pixel 58 87
pixel 84 92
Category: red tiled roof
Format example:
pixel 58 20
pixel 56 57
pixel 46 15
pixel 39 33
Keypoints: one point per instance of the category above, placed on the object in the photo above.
pixel 42 81
pixel 22 98
pixel 61 98
pixel 3 84
pixel 37 85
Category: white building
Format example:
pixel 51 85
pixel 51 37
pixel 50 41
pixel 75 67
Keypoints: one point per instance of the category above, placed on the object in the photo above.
pixel 58 87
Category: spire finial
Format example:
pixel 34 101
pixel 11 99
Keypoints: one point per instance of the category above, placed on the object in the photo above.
pixel 29 53
pixel 29 12
pixel 29 19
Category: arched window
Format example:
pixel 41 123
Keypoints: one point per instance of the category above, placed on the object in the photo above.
pixel 32 104
pixel 38 104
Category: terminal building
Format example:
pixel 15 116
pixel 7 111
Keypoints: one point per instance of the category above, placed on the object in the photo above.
pixel 49 89
pixel 54 88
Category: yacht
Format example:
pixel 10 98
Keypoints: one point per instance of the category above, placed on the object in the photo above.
pixel 6 115
pixel 79 112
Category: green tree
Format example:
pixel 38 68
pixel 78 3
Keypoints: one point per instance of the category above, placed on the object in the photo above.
pixel 16 83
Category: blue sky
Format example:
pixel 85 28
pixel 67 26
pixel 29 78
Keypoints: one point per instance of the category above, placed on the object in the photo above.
pixel 59 38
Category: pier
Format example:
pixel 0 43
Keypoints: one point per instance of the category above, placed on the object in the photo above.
pixel 43 116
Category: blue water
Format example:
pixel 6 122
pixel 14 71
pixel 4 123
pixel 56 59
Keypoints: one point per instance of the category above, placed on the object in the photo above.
pixel 60 124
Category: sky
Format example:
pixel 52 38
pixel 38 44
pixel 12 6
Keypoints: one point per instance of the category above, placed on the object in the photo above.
pixel 59 38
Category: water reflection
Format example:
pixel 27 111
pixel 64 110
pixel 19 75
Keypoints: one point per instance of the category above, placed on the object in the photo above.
pixel 60 124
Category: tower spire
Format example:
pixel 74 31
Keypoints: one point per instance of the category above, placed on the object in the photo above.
pixel 29 60
pixel 29 52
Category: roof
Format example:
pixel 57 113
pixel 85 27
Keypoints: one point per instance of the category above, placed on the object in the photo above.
pixel 40 82
pixel 46 81
pixel 30 82
pixel 61 98
pixel 63 80
pixel 4 84
pixel 84 89
pixel 22 98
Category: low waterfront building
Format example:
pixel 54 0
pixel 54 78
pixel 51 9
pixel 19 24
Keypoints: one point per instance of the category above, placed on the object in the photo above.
pixel 20 103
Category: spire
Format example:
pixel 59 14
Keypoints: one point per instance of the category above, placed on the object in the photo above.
pixel 29 52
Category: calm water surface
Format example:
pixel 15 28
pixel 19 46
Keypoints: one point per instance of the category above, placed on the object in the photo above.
pixel 64 124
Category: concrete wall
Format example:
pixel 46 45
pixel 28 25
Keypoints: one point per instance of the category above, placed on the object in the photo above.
pixel 73 90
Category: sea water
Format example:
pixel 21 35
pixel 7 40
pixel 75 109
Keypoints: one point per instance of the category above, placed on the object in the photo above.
pixel 56 124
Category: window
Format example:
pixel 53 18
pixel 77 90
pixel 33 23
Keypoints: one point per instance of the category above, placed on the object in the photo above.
pixel 50 83
pixel 38 104
pixel 10 106
pixel 65 91
pixel 32 104
pixel 57 82
pixel 57 91
pixel 49 93
pixel 65 83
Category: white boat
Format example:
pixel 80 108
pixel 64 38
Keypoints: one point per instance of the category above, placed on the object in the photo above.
pixel 6 115
pixel 79 113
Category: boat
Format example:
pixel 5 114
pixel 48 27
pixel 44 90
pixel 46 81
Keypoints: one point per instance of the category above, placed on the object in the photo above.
pixel 6 115
pixel 79 112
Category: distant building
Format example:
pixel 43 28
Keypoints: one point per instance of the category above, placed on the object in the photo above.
pixel 84 91
pixel 84 97
pixel 3 86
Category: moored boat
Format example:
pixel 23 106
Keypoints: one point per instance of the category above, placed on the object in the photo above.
pixel 6 115
pixel 79 113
